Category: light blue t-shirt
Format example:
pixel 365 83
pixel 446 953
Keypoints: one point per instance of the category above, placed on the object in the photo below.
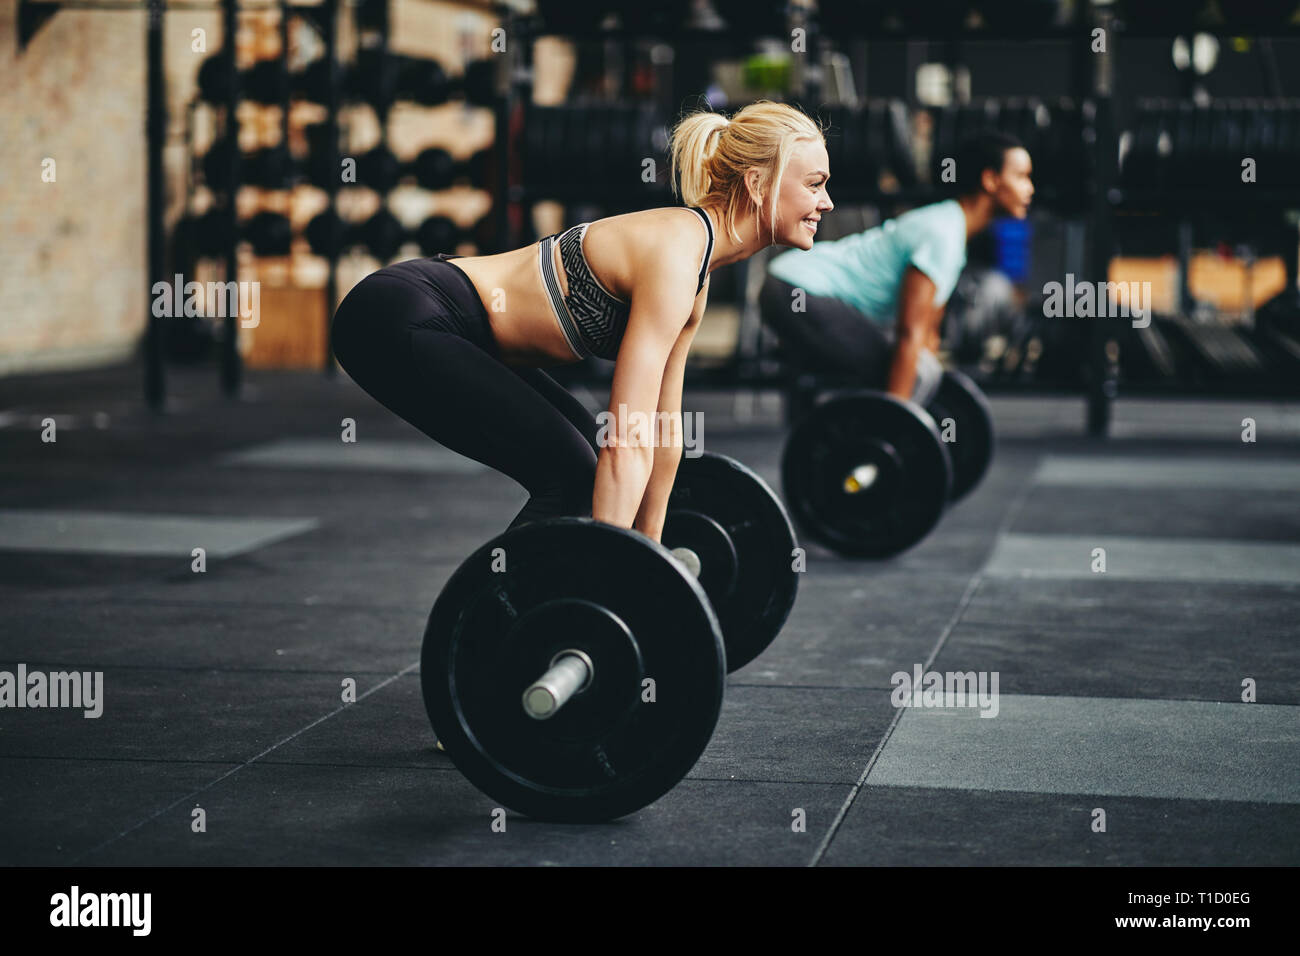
pixel 866 269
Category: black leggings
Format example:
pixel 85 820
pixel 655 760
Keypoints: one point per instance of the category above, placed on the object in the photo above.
pixel 416 337
pixel 829 335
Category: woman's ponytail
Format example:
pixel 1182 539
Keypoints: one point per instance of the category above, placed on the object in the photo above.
pixel 694 142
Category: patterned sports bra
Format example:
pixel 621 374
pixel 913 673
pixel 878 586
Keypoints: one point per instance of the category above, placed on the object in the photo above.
pixel 592 319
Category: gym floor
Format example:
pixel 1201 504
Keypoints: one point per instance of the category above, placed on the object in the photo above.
pixel 1119 690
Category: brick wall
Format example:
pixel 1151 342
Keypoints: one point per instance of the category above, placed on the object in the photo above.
pixel 73 285
pixel 73 289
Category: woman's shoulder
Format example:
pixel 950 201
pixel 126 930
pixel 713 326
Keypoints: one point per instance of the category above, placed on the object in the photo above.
pixel 652 229
pixel 662 217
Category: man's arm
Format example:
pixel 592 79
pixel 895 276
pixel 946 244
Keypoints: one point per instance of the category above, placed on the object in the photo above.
pixel 668 453
pixel 933 340
pixel 916 329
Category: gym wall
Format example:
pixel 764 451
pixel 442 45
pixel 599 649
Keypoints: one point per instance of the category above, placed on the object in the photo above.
pixel 72 251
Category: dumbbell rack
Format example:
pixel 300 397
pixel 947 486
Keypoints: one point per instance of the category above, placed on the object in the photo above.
pixel 374 81
pixel 222 87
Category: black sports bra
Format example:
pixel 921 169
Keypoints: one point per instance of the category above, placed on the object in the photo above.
pixel 592 319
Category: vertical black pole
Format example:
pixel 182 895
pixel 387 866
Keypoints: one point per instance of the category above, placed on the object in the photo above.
pixel 332 82
pixel 155 136
pixel 231 367
pixel 284 87
pixel 513 110
pixel 1103 366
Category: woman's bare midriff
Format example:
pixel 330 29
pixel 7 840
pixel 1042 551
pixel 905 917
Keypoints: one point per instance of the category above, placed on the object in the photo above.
pixel 510 285
pixel 518 309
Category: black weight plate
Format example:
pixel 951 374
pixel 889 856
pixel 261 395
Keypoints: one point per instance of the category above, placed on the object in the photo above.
pixel 616 596
pixel 719 508
pixel 971 447
pixel 865 518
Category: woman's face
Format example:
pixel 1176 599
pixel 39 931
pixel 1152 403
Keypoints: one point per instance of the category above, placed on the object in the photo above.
pixel 803 197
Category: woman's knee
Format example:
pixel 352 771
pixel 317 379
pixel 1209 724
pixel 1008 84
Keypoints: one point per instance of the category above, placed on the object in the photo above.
pixel 576 479
pixel 564 494
pixel 565 484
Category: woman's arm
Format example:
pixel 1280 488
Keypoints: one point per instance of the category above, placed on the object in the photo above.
pixel 668 453
pixel 916 314
pixel 662 303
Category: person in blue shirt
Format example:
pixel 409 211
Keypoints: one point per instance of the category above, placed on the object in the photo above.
pixel 871 303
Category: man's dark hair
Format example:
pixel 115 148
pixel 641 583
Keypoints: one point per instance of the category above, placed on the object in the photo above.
pixel 984 150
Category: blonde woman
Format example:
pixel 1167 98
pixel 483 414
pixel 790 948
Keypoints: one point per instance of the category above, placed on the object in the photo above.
pixel 454 345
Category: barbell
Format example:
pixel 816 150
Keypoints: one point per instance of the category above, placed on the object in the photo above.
pixel 869 475
pixel 574 670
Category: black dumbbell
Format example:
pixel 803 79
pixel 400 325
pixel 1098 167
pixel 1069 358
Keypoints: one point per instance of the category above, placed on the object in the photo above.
pixel 200 236
pixel 381 78
pixel 373 77
pixel 426 82
pixel 207 235
pixel 435 169
pixel 377 77
pixel 422 81
pixel 269 233
pixel 574 670
pixel 439 234
pixel 312 82
pixel 378 169
pixel 271 167
pixel 383 234
pixel 869 475
pixel 214 79
pixel 266 81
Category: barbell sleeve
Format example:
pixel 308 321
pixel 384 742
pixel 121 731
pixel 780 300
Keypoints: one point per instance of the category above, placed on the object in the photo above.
pixel 569 673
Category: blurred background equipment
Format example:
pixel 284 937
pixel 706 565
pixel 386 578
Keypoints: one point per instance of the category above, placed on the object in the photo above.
pixel 334 137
